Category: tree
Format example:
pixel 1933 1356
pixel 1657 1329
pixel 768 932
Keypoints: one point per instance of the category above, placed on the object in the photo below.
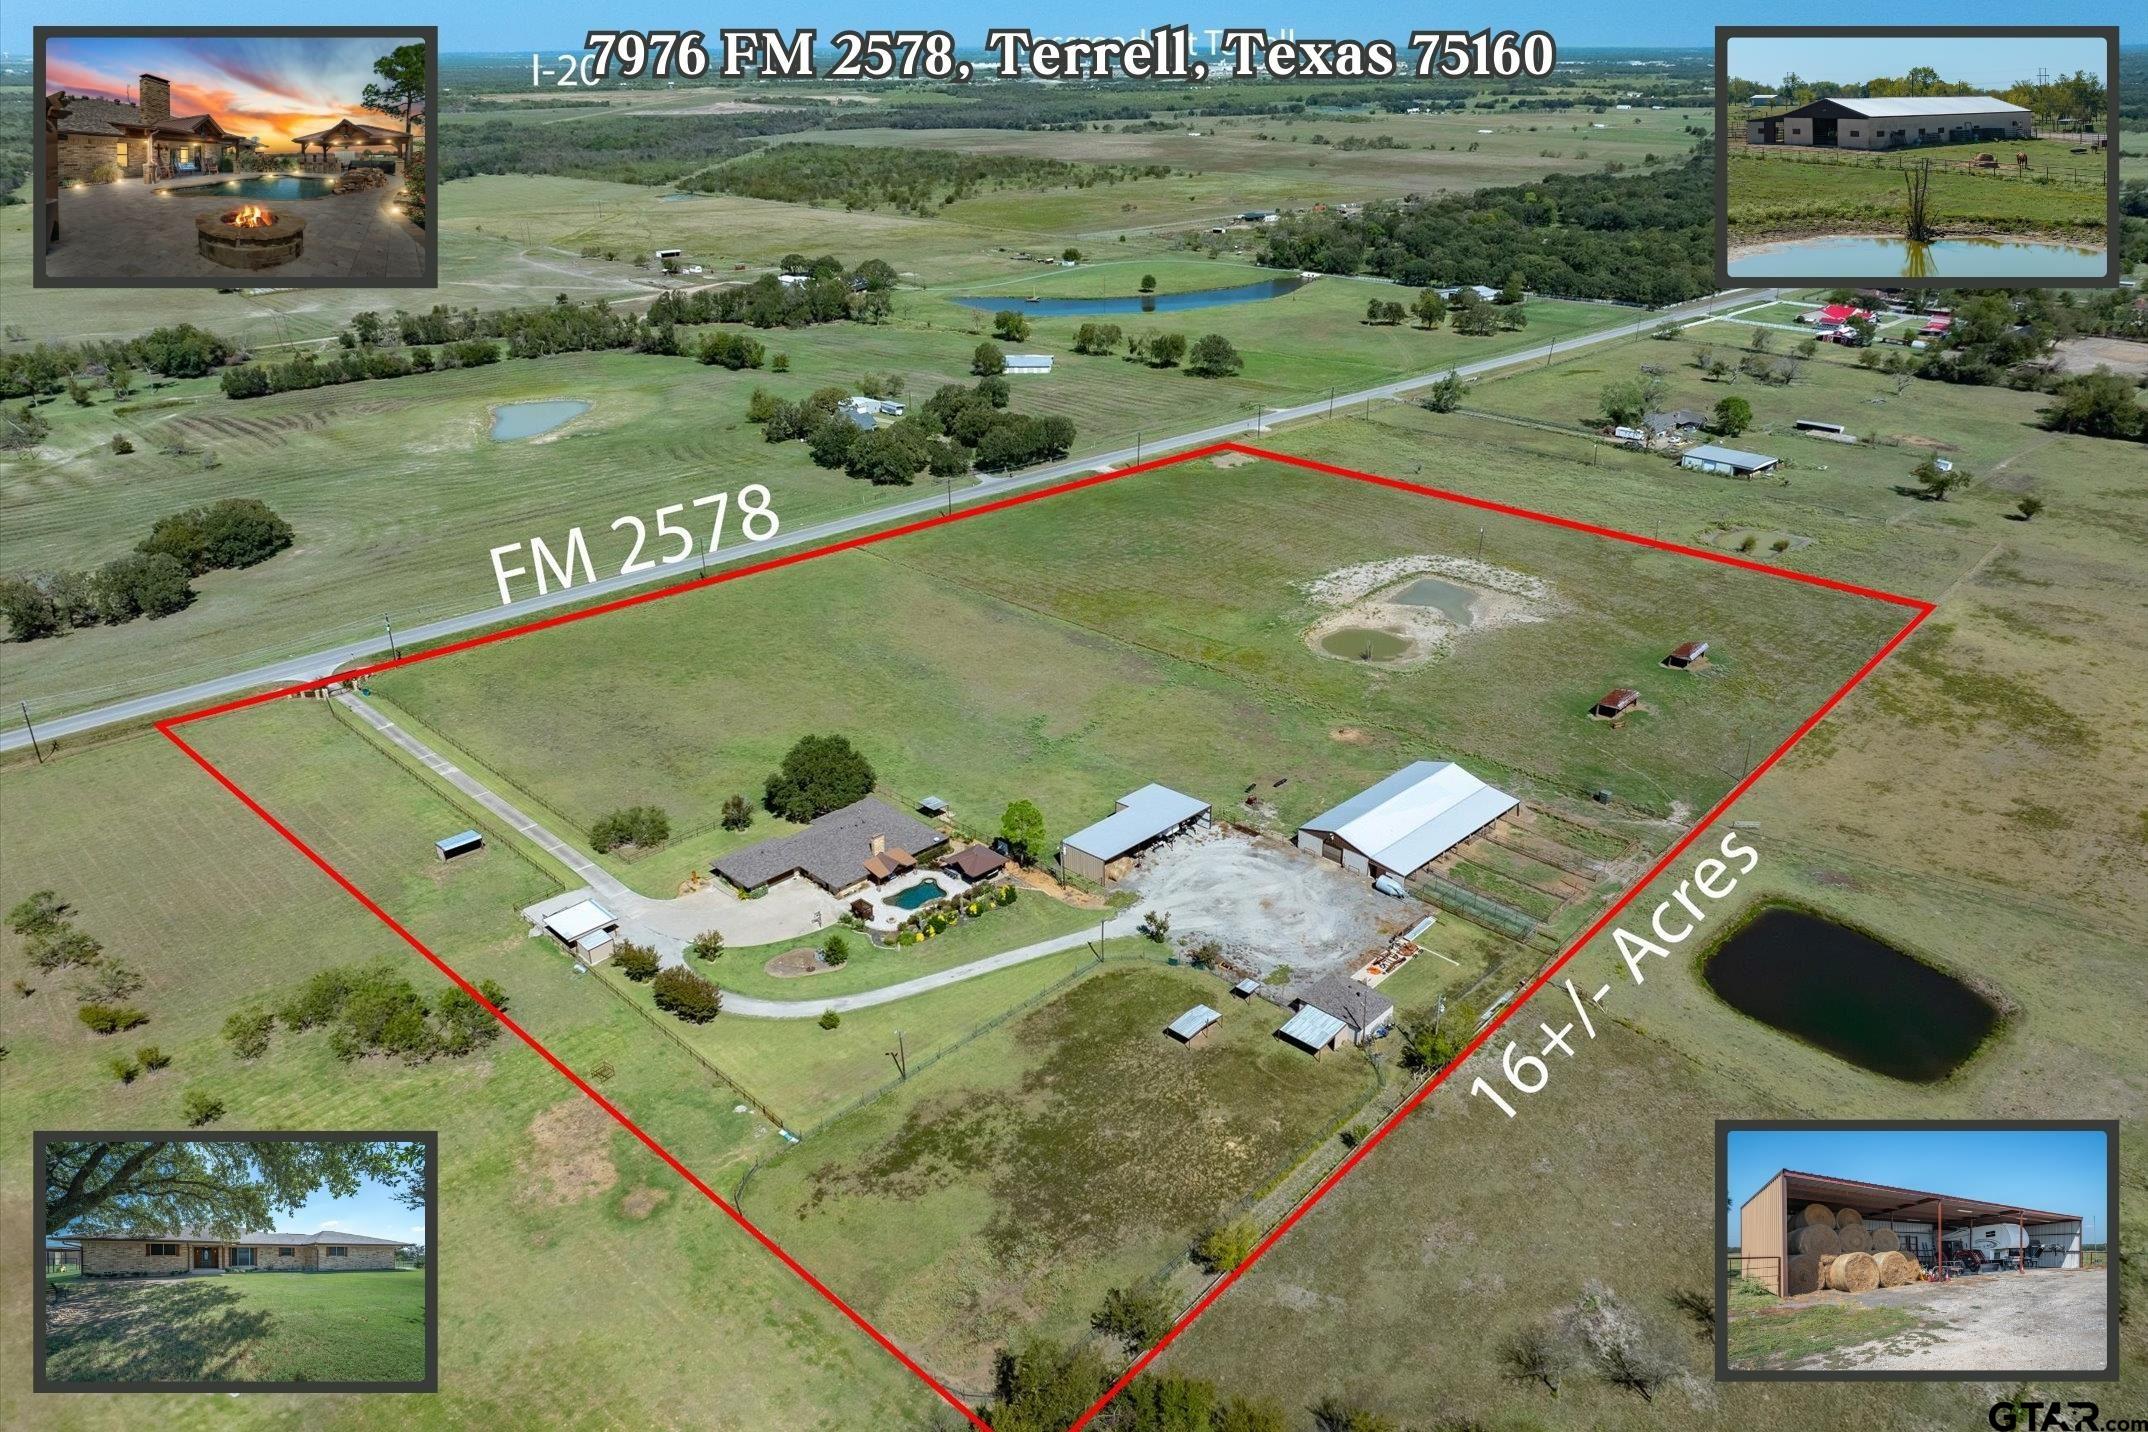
pixel 1626 401
pixel 1148 283
pixel 1511 290
pixel 829 1019
pixel 1214 357
pixel 200 1108
pixel 1071 255
pixel 1021 825
pixel 247 1032
pixel 819 774
pixel 1732 416
pixel 681 992
pixel 835 950
pixel 110 1018
pixel 1225 1246
pixel 1475 320
pixel 1165 349
pixel 1618 1345
pixel 1011 326
pixel 39 914
pixel 1134 1318
pixel 737 812
pixel 2028 507
pixel 223 1188
pixel 402 88
pixel 235 532
pixel 1935 481
pixel 141 586
pixel 889 456
pixel 1155 925
pixel 987 360
pixel 2099 404
pixel 1540 1352
pixel 830 442
pixel 638 963
pixel 708 945
pixel 1445 395
pixel 644 827
pixel 1333 1414
pixel 1430 308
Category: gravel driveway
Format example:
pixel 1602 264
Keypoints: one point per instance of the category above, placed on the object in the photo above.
pixel 2049 1321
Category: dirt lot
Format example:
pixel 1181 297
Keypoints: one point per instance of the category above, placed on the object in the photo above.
pixel 1269 903
pixel 2120 355
pixel 2035 1322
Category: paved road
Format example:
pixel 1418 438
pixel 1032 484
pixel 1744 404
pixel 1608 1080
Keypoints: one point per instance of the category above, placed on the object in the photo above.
pixel 733 1003
pixel 321 663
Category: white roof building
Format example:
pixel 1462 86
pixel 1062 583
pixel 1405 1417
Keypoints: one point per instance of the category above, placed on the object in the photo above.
pixel 1407 821
pixel 1910 108
pixel 1148 814
pixel 583 926
pixel 1311 1029
pixel 1029 362
pixel 1192 1023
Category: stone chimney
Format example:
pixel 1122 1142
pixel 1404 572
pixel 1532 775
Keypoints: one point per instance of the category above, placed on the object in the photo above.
pixel 880 845
pixel 156 99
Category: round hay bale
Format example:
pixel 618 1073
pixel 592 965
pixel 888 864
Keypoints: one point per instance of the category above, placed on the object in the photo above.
pixel 1818 1215
pixel 1895 1269
pixel 1882 1240
pixel 1816 1238
pixel 1801 1273
pixel 1854 1238
pixel 1846 1216
pixel 1853 1273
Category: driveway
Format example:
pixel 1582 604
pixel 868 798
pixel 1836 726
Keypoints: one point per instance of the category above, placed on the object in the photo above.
pixel 2049 1321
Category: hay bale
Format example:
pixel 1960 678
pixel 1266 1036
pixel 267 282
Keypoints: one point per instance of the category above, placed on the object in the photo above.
pixel 1895 1269
pixel 1818 1215
pixel 1801 1273
pixel 1846 1216
pixel 1882 1240
pixel 1854 1238
pixel 1816 1238
pixel 1853 1273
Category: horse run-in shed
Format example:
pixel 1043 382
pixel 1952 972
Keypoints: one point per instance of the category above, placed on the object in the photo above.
pixel 460 844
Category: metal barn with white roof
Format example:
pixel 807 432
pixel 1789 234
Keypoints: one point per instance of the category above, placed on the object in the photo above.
pixel 1847 122
pixel 585 928
pixel 1103 852
pixel 1407 821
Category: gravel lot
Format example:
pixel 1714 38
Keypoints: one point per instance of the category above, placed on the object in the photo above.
pixel 1269 903
pixel 2035 1322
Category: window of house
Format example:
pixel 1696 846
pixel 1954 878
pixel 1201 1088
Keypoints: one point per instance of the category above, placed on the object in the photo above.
pixel 163 1250
pixel 242 1257
pixel 339 1252
pixel 286 1252
pixel 119 153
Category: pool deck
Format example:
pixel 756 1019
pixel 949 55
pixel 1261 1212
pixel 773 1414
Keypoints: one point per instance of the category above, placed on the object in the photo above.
pixel 888 916
pixel 132 230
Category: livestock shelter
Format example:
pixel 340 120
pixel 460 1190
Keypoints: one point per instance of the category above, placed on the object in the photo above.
pixel 1845 122
pixel 1729 462
pixel 1106 850
pixel 1018 363
pixel 1686 653
pixel 460 844
pixel 1404 823
pixel 1195 1022
pixel 1616 702
pixel 1313 1029
pixel 1923 1222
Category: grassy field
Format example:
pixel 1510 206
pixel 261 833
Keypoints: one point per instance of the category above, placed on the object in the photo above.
pixel 1783 1337
pixel 1791 193
pixel 366 1327
pixel 546 1205
pixel 1075 1149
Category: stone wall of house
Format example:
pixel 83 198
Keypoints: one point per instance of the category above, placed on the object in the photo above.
pixel 81 155
pixel 362 1256
pixel 99 1256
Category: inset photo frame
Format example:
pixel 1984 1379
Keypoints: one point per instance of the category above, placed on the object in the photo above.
pixel 235 157
pixel 1917 156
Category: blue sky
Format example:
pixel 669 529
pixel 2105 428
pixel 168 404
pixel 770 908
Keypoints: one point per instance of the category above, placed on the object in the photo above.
pixel 522 24
pixel 2057 1170
pixel 373 1210
pixel 1997 63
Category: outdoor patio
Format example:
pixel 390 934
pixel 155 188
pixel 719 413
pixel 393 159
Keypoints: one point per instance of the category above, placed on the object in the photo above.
pixel 130 229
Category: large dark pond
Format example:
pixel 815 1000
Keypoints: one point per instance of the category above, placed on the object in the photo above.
pixel 1853 996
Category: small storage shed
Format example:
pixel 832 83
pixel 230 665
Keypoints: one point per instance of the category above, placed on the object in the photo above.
pixel 1616 702
pixel 1029 363
pixel 1194 1023
pixel 584 928
pixel 1686 654
pixel 462 844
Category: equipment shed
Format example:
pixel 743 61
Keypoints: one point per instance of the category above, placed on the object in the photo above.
pixel 1103 852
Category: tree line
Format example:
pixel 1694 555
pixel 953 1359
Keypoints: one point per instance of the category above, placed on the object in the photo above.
pixel 914 181
pixel 178 350
pixel 154 580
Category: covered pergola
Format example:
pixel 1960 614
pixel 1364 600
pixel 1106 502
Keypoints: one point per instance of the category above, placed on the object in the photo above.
pixel 350 134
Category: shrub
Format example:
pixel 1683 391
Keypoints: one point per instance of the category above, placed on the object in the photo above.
pixel 1003 895
pixel 123 1069
pixel 835 950
pixel 120 444
pixel 644 827
pixel 1134 1319
pixel 708 945
pixel 637 962
pixel 200 1107
pixel 2028 507
pixel 687 995
pixel 829 1019
pixel 737 812
pixel 110 1018
pixel 39 914
pixel 1226 1246
pixel 152 1057
pixel 247 1032
pixel 1155 925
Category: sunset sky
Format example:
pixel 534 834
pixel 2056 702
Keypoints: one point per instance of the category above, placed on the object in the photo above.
pixel 266 87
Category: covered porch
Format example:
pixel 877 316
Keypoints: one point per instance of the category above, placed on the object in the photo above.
pixel 332 149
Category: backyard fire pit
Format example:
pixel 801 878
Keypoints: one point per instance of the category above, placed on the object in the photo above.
pixel 249 237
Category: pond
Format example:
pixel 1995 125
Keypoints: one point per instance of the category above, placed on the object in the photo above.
pixel 1452 602
pixel 1136 303
pixel 1966 259
pixel 1853 996
pixel 527 420
pixel 1364 644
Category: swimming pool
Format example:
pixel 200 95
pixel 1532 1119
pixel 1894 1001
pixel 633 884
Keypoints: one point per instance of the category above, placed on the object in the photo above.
pixel 265 186
pixel 922 893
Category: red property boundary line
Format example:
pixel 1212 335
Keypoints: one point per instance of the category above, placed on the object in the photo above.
pixel 169 729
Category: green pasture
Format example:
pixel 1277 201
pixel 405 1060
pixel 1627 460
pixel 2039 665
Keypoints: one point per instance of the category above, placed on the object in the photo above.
pixel 1768 195
pixel 543 1198
pixel 353 1327
pixel 1075 1149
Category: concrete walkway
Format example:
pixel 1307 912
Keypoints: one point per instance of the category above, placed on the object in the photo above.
pixel 321 663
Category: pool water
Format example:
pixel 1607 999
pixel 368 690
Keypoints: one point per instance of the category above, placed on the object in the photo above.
pixel 1136 303
pixel 1451 601
pixel 267 186
pixel 922 893
pixel 527 420
pixel 1854 996
pixel 1965 259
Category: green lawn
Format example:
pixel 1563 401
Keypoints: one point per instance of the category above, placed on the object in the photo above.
pixel 1075 1149
pixel 1786 1337
pixel 1783 194
pixel 357 1327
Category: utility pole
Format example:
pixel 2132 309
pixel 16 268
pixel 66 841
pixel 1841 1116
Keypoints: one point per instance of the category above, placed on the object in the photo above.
pixel 33 732
pixel 392 645
pixel 901 1055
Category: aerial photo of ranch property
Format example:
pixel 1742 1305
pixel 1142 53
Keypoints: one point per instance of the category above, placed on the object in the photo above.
pixel 1020 755
pixel 224 160
pixel 1961 160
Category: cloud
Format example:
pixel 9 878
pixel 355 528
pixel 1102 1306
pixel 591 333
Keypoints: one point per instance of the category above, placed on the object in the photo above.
pixel 332 1223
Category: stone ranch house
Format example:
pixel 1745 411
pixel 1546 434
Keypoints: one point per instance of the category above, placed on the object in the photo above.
pixel 162 1255
pixel 100 138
